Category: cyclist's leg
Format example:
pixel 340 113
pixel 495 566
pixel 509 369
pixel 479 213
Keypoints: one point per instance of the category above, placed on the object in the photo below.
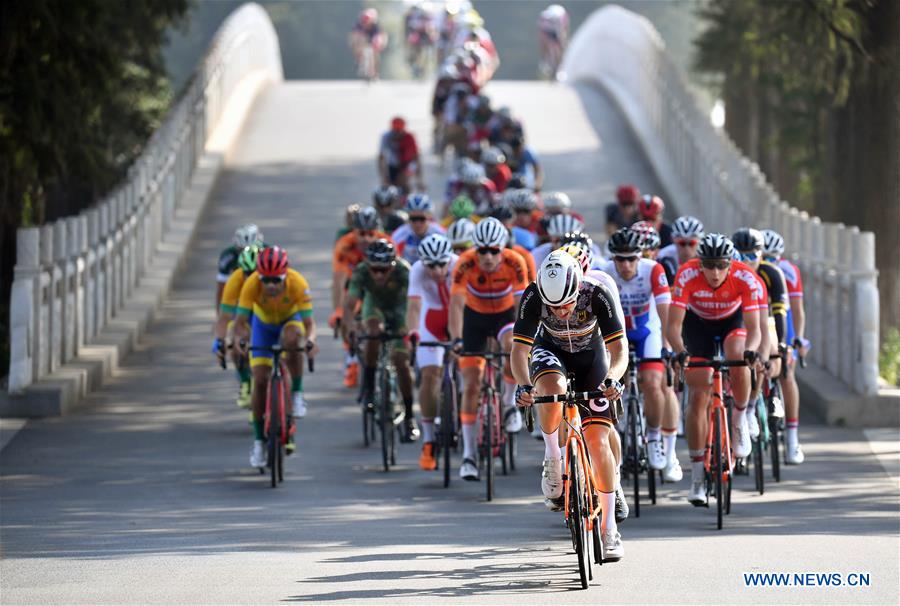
pixel 293 335
pixel 650 379
pixel 734 345
pixel 242 368
pixel 261 335
pixel 476 328
pixel 372 321
pixel 603 464
pixel 791 396
pixel 430 362
pixel 396 323
pixel 699 339
pixel 512 418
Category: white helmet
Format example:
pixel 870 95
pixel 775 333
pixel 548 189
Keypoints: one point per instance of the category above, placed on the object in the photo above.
pixel 471 173
pixel 492 155
pixel 247 235
pixel 461 232
pixel 556 200
pixel 435 248
pixel 773 243
pixel 561 225
pixel 687 227
pixel 418 203
pixel 490 232
pixel 559 278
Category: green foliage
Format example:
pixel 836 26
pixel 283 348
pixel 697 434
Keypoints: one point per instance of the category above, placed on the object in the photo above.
pixel 889 359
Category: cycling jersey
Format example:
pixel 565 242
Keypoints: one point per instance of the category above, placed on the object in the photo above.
pixel 407 242
pixel 294 303
pixel 640 297
pixel 740 290
pixel 668 258
pixel 398 148
pixel 777 296
pixel 386 301
pixel 529 262
pixel 228 262
pixel 435 298
pixel 524 238
pixel 232 293
pixel 347 253
pixel 593 318
pixel 615 217
pixel 795 291
pixel 492 292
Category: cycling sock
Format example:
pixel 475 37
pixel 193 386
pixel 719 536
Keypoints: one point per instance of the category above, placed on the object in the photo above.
pixel 669 436
pixel 608 519
pixel 791 426
pixel 244 375
pixel 737 415
pixel 468 431
pixel 427 430
pixel 652 433
pixel 257 429
pixel 697 464
pixel 509 393
pixel 551 445
pixel 297 384
pixel 369 378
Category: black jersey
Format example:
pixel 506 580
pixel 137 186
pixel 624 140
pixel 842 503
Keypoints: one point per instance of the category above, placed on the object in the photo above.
pixel 776 286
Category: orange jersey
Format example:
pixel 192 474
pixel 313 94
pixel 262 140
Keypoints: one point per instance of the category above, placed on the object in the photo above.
pixel 529 261
pixel 347 253
pixel 494 292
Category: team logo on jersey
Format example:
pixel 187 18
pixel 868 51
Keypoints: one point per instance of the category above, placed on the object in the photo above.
pixel 703 294
pixel 662 280
pixel 686 275
pixel 581 315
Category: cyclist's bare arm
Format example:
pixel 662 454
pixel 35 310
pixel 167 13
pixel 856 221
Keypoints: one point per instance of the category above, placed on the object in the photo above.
pixel 764 344
pixel 241 332
pixel 673 328
pixel 618 359
pixel 349 323
pixel 538 177
pixel 413 310
pixel 220 288
pixel 455 321
pixel 222 321
pixel 662 309
pixel 518 361
pixel 799 316
pixel 310 325
pixel 338 279
pixel 751 321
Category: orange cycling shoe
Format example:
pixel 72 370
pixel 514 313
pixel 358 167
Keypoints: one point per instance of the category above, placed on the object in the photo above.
pixel 351 376
pixel 426 459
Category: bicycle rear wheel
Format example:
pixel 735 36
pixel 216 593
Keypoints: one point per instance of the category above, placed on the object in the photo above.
pixel 273 435
pixel 633 454
pixel 578 516
pixel 386 421
pixel 489 446
pixel 448 426
pixel 774 437
pixel 717 468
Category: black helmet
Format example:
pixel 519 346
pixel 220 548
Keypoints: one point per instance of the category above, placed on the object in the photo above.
pixel 366 218
pixel 577 237
pixel 715 246
pixel 386 195
pixel 625 241
pixel 747 239
pixel 380 252
pixel 502 213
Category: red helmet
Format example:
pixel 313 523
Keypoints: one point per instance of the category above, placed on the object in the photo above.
pixel 272 261
pixel 398 123
pixel 651 207
pixel 627 194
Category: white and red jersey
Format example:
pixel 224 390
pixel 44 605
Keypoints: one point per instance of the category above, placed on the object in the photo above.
pixel 792 277
pixel 407 242
pixel 640 295
pixel 741 290
pixel 435 297
pixel 607 280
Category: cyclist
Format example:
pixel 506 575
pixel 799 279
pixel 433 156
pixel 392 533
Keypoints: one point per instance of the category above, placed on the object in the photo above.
pixel 407 237
pixel 566 323
pixel 505 216
pixel 380 283
pixel 398 157
pixel 461 207
pixel 645 297
pixel 622 212
pixel 553 27
pixel 555 203
pixel 275 305
pixel 460 233
pixel 749 243
pixel 367 33
pixel 386 200
pixel 526 216
pixel 487 284
pixel 495 168
pixel 427 314
pixel 473 182
pixel 348 252
pixel 224 323
pixel 715 299
pixel 349 220
pixel 524 162
pixel 773 249
pixel 244 236
pixel 686 234
pixel 420 35
pixel 557 227
pixel 649 239
pixel 650 208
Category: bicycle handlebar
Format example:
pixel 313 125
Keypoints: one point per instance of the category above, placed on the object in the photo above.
pixel 572 396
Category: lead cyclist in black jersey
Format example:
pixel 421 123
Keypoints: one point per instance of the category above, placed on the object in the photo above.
pixel 565 324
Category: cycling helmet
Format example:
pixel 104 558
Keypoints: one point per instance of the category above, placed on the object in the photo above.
pixel 461 232
pixel 627 194
pixel 581 254
pixel 650 239
pixel 492 156
pixel 471 173
pixel 366 218
pixel 578 238
pixel 556 201
pixel 747 239
pixel 503 213
pixel 386 195
pixel 490 232
pixel 272 261
pixel 520 199
pixel 773 243
pixel 715 246
pixel 247 235
pixel 418 203
pixel 247 259
pixel 687 227
pixel 350 216
pixel 562 224
pixel 462 207
pixel 624 241
pixel 559 278
pixel 380 252
pixel 651 207
pixel 370 15
pixel 435 248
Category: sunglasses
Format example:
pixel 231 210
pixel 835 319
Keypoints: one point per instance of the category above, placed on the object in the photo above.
pixel 366 233
pixel 436 264
pixel 713 264
pixel 523 211
pixel 272 279
pixel 621 259
pixel 488 250
pixel 565 307
pixel 418 219
pixel 379 269
pixel 686 242
pixel 750 256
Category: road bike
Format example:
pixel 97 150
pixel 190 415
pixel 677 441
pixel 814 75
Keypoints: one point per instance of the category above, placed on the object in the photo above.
pixel 581 504
pixel 383 414
pixel 447 422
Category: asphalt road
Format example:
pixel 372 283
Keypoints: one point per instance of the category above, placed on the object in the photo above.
pixel 145 496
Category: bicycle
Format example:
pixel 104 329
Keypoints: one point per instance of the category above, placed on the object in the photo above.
pixel 719 461
pixel 446 430
pixel 277 429
pixel 492 437
pixel 763 407
pixel 581 507
pixel 383 411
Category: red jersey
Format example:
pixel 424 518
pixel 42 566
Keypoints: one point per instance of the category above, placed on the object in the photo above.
pixel 740 290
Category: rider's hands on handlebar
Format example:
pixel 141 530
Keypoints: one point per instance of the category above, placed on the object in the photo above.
pixel 457 345
pixel 218 348
pixel 335 318
pixel 311 348
pixel 750 356
pixel 524 396
pixel 612 389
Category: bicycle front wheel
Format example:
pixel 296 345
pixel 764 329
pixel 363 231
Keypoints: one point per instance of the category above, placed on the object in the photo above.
pixel 717 467
pixel 448 426
pixel 385 421
pixel 489 447
pixel 634 454
pixel 578 515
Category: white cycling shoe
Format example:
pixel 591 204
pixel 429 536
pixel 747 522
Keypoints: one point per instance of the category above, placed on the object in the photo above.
pixel 752 422
pixel 697 493
pixel 299 405
pixel 613 549
pixel 512 419
pixel 551 483
pixel 794 456
pixel 257 454
pixel 672 473
pixel 740 439
pixel 656 453
pixel 468 470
